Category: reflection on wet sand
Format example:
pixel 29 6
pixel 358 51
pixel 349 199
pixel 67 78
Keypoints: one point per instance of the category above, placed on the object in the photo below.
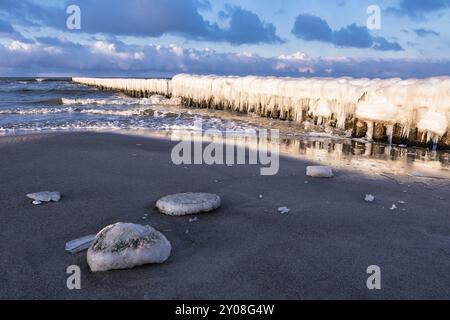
pixel 346 154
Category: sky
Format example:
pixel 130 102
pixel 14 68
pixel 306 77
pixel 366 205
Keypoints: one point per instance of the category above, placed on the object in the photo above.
pixel 160 38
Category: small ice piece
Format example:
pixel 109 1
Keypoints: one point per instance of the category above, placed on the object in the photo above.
pixel 394 207
pixel 80 244
pixel 369 198
pixel 284 210
pixel 306 182
pixel 319 172
pixel 45 196
pixel 402 202
pixel 195 219
pixel 261 196
pixel 36 202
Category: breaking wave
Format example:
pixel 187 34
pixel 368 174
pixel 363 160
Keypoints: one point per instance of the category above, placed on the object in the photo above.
pixel 153 100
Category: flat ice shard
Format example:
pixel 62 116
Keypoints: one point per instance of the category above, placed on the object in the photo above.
pixel 80 244
pixel 45 196
pixel 369 198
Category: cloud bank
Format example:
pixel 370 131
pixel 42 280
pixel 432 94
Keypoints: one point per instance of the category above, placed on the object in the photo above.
pixel 53 56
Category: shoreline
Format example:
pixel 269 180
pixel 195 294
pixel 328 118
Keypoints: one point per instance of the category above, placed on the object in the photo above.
pixel 245 250
pixel 338 152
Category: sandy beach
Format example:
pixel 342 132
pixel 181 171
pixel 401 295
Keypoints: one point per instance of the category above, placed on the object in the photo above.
pixel 244 250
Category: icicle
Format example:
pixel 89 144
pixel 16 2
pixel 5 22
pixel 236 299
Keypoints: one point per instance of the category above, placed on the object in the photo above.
pixel 370 127
pixel 435 142
pixel 390 132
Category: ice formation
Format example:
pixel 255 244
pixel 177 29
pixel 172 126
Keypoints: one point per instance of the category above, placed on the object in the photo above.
pixel 413 103
pixel 145 86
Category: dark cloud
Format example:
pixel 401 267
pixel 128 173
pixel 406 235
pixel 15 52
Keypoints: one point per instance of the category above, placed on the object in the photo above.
pixel 381 44
pixel 353 36
pixel 421 32
pixel 152 18
pixel 418 9
pixel 308 27
pixel 312 28
pixel 245 27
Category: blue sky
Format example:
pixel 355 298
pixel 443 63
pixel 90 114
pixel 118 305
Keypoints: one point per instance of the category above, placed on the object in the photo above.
pixel 266 37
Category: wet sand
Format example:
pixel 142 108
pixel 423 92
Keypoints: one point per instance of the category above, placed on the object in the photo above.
pixel 245 250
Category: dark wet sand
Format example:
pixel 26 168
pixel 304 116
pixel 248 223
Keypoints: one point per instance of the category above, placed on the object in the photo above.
pixel 245 250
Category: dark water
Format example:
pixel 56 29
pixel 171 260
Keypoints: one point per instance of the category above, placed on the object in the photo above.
pixel 42 105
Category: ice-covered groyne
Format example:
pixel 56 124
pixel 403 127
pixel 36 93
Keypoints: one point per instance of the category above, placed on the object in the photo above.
pixel 413 111
pixel 132 87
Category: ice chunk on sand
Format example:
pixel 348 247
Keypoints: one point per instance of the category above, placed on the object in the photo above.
pixel 44 196
pixel 127 245
pixel 80 244
pixel 188 203
pixel 319 172
pixel 393 207
pixel 369 198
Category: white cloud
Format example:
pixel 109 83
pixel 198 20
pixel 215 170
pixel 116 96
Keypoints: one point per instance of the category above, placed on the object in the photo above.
pixel 21 46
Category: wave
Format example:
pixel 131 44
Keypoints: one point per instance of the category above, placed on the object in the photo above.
pixel 36 111
pixel 153 100
pixel 112 112
pixel 121 124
